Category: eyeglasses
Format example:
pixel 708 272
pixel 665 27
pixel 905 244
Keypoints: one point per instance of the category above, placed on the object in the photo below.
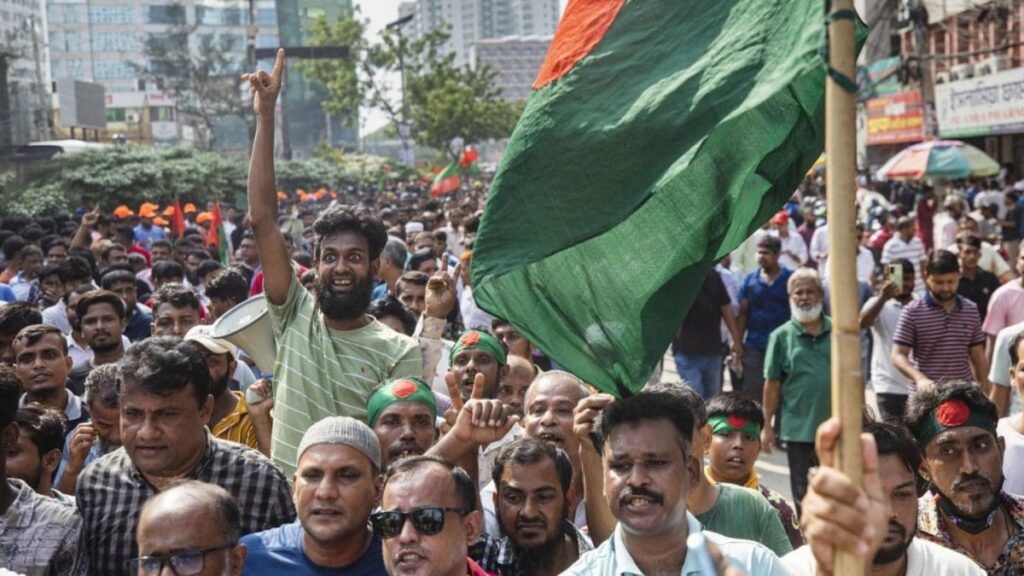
pixel 427 520
pixel 183 563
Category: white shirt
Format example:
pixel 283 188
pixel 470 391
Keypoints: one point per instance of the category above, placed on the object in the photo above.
pixel 886 378
pixel 999 373
pixel 924 558
pixel 819 249
pixel 1013 457
pixel 896 249
pixel 792 243
pixel 80 354
pixel 990 259
pixel 989 197
pixel 57 316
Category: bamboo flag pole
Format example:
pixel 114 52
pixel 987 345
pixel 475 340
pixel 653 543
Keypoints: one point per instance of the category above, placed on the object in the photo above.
pixel 840 149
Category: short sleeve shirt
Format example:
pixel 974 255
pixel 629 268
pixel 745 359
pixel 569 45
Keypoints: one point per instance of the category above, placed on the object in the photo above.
pixel 801 362
pixel 320 372
pixel 768 306
pixel 280 551
pixel 1005 308
pixel 743 513
pixel 940 340
pixel 703 319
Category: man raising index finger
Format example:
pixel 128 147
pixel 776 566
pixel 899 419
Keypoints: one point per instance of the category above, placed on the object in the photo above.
pixel 330 353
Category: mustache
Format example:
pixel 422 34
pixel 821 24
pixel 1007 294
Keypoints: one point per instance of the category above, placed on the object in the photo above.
pixel 898 528
pixel 962 479
pixel 641 492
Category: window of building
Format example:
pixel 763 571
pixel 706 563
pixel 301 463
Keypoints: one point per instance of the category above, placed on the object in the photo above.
pixel 267 41
pixel 161 114
pixel 171 14
pixel 229 16
pixel 266 17
pixel 112 14
pixel 116 114
pixel 119 41
pixel 113 69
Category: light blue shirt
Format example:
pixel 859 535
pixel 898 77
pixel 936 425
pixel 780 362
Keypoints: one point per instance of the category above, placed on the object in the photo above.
pixel 612 559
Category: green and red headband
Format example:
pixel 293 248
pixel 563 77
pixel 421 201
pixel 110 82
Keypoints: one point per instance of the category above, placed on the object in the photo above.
pixel 400 390
pixel 725 424
pixel 953 413
pixel 477 340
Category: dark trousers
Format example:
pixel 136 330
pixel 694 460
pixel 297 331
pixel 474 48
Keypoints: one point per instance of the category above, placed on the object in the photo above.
pixel 753 373
pixel 801 458
pixel 891 406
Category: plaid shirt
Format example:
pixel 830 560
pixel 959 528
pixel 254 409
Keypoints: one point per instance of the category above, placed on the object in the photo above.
pixel 1011 559
pixel 111 493
pixel 498 555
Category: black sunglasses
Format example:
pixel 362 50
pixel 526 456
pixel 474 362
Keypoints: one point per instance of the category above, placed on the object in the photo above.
pixel 427 520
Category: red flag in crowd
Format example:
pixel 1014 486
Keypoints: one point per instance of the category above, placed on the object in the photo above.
pixel 178 220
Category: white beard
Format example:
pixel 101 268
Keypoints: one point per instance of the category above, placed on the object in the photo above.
pixel 805 315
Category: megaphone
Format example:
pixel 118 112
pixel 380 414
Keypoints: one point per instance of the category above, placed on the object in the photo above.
pixel 247 325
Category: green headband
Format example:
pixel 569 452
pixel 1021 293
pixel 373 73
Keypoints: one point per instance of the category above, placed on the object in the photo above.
pixel 477 340
pixel 400 390
pixel 953 413
pixel 722 424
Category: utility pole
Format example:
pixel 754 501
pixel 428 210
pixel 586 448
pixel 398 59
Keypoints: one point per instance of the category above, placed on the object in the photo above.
pixel 42 113
pixel 403 126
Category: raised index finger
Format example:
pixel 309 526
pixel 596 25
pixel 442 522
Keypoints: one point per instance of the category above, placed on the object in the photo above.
pixel 478 387
pixel 278 65
pixel 444 264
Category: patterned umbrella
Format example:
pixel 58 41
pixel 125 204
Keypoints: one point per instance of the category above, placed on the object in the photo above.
pixel 940 160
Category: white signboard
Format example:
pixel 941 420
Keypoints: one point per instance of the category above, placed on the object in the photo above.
pixel 164 130
pixel 991 104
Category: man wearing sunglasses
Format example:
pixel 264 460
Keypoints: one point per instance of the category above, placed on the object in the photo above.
pixel 203 540
pixel 337 483
pixel 428 519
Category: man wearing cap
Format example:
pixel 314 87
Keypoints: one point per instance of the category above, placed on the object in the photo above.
pixel 402 414
pixel 967 511
pixel 230 419
pixel 337 484
pixel 794 249
pixel 146 232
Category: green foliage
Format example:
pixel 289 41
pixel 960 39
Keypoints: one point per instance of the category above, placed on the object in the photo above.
pixel 442 101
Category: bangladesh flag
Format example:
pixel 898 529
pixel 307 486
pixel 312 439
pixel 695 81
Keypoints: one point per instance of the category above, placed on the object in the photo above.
pixel 659 135
pixel 446 181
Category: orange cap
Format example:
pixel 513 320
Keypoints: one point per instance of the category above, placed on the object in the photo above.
pixel 123 211
pixel 160 221
pixel 190 208
pixel 281 195
pixel 204 217
pixel 169 211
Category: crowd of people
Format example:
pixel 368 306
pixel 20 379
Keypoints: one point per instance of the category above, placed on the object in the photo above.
pixel 405 430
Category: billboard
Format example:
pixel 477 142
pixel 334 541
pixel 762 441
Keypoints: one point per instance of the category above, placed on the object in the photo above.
pixel 896 119
pixel 991 104
pixel 82 104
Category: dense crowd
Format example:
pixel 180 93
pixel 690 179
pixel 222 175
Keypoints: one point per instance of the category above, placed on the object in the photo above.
pixel 405 430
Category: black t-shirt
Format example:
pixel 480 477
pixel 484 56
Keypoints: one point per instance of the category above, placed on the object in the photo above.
pixel 979 290
pixel 1010 232
pixel 701 333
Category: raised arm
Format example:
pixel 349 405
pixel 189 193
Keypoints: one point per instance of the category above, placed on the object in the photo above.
pixel 262 189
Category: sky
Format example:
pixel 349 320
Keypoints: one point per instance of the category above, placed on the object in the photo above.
pixel 379 12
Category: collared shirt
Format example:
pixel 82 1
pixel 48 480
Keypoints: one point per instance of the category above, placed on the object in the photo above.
pixel 498 555
pixel 236 426
pixel 940 340
pixel 613 559
pixel 801 362
pixel 112 490
pixel 40 536
pixel 1011 559
pixel 768 306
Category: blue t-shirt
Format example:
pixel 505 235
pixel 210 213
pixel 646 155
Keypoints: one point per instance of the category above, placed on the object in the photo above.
pixel 769 306
pixel 279 551
pixel 146 237
pixel 6 294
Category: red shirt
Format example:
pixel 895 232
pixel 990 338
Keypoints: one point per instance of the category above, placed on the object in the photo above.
pixel 474 569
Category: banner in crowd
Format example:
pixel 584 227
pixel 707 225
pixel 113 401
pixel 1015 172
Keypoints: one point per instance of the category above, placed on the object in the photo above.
pixel 896 119
pixel 660 134
pixel 990 104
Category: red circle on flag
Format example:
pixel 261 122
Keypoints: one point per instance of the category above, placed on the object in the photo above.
pixel 736 421
pixel 952 413
pixel 404 389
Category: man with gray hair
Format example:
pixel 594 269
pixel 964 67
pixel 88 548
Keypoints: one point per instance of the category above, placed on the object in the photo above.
pixel 204 541
pixel 99 436
pixel 337 484
pixel 796 372
pixel 392 265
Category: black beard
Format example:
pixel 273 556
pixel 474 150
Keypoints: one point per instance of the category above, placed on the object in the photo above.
pixel 345 306
pixel 889 555
pixel 103 349
pixel 539 558
pixel 217 387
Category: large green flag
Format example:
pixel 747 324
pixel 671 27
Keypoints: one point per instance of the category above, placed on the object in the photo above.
pixel 659 135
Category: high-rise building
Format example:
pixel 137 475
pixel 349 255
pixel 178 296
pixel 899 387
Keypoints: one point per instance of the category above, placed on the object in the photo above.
pixel 24 101
pixel 515 59
pixel 470 21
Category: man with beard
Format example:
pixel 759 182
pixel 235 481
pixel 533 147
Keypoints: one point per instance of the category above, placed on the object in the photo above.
pixel 402 414
pixel 42 364
pixel 100 435
pixel 796 372
pixel 138 325
pixel 955 427
pixel 331 354
pixel 337 485
pixel 231 419
pixel 942 329
pixel 832 517
pixel 35 456
pixel 648 468
pixel 762 299
pixel 532 500
pixel 101 314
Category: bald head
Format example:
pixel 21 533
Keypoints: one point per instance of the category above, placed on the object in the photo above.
pixel 557 382
pixel 550 402
pixel 204 516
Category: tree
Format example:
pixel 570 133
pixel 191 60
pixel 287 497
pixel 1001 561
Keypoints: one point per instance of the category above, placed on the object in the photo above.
pixel 201 72
pixel 442 102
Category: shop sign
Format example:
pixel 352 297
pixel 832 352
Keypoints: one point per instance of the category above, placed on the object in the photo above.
pixel 990 104
pixel 895 119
